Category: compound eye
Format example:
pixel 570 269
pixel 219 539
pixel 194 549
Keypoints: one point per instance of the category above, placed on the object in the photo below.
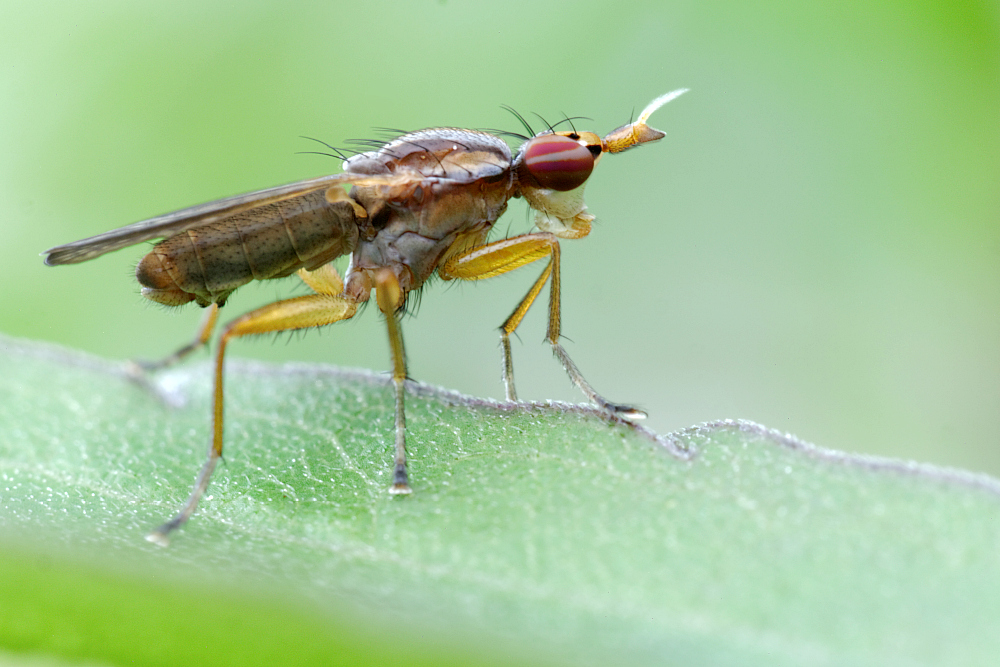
pixel 558 162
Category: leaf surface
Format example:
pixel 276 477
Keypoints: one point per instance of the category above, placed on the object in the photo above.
pixel 541 532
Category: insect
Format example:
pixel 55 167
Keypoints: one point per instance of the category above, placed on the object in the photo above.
pixel 422 203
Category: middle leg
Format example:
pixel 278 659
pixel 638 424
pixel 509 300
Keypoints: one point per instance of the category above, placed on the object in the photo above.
pixel 389 297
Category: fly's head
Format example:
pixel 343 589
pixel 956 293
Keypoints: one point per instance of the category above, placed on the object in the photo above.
pixel 552 169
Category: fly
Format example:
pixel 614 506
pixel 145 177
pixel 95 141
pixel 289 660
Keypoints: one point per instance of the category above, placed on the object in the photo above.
pixel 422 203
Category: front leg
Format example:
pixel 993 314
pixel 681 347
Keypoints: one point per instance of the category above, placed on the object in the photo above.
pixel 499 257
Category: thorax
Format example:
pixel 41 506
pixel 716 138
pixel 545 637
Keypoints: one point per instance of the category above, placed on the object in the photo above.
pixel 455 185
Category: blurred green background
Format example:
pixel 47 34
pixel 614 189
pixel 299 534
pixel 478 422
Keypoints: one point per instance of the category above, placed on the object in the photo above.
pixel 814 246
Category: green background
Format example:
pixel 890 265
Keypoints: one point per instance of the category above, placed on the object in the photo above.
pixel 814 246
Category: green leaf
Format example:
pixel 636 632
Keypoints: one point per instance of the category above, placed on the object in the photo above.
pixel 538 532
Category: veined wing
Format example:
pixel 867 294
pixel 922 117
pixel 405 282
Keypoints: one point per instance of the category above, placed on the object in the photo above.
pixel 171 224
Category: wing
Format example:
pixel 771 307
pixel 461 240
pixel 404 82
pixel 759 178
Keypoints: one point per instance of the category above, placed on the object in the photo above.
pixel 171 224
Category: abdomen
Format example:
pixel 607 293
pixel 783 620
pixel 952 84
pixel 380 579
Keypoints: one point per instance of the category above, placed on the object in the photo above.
pixel 207 263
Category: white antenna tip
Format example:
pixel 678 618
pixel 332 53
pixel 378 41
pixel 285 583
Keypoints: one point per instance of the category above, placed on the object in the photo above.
pixel 659 102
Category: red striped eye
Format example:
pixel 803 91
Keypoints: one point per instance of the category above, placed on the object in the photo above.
pixel 558 162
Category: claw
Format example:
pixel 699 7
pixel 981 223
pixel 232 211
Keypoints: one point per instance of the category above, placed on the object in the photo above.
pixel 625 411
pixel 400 483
